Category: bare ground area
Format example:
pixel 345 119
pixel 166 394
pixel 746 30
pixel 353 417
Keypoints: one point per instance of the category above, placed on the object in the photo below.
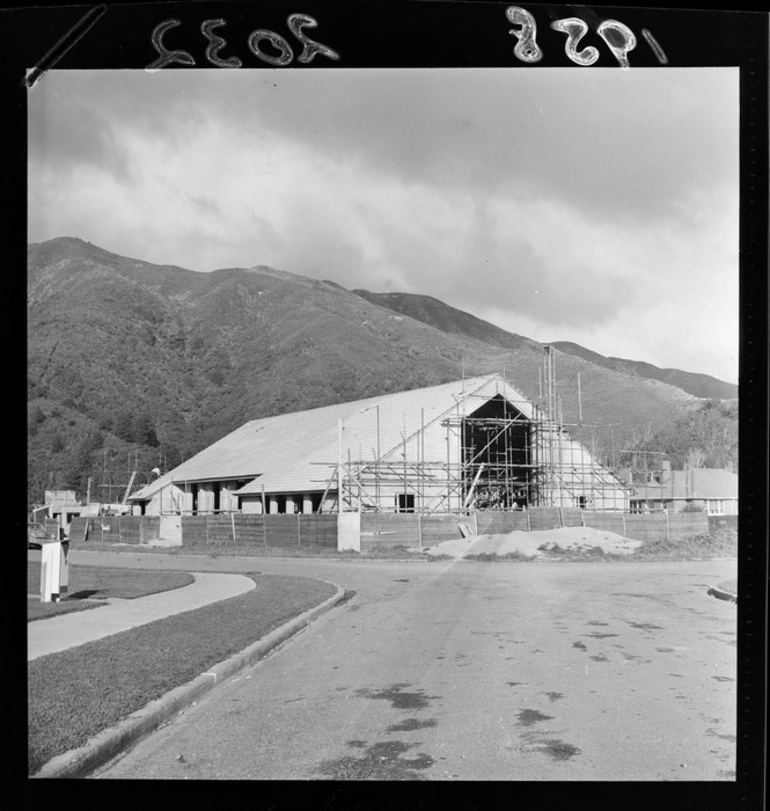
pixel 538 544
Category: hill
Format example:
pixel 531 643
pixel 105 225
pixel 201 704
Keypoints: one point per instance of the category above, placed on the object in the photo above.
pixel 698 385
pixel 133 365
pixel 449 319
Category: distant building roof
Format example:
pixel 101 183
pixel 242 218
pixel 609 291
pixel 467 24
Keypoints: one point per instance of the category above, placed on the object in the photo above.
pixel 695 483
pixel 287 453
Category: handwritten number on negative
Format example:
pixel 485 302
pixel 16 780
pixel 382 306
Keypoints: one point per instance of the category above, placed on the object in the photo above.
pixel 620 39
pixel 311 49
pixel 576 29
pixel 167 57
pixel 216 43
pixel 527 49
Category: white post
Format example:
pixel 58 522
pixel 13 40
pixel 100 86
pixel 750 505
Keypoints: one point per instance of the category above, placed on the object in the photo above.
pixel 51 567
pixel 419 531
pixel 339 466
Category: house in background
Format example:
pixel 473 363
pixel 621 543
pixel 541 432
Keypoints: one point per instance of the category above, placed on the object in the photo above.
pixel 63 506
pixel 698 489
pixel 475 443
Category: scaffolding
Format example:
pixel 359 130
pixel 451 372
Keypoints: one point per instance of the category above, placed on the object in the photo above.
pixel 501 455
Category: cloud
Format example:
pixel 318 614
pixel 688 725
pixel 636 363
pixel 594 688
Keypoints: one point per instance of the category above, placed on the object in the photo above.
pixel 598 206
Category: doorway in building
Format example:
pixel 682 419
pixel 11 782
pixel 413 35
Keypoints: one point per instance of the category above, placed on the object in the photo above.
pixel 496 457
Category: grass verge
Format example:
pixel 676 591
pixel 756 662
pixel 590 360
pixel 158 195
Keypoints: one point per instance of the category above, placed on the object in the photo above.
pixel 101 582
pixel 490 557
pixel 721 543
pixel 41 611
pixel 77 693
pixel 251 551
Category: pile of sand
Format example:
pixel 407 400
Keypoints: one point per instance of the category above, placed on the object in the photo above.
pixel 528 543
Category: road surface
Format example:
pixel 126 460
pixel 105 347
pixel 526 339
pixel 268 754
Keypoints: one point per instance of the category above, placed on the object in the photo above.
pixel 472 671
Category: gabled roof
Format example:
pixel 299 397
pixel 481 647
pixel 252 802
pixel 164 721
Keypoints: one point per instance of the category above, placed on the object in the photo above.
pixel 695 483
pixel 287 453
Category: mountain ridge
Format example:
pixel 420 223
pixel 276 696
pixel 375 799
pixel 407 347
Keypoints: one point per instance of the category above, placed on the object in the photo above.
pixel 433 311
pixel 127 357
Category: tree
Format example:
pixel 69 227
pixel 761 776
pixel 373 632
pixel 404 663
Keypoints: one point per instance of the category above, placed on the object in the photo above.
pixel 143 431
pixel 79 465
pixel 695 458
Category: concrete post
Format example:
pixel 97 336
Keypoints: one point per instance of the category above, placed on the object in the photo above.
pixel 349 531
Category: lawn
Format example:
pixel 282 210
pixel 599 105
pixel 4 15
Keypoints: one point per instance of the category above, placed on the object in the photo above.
pixel 42 611
pixel 88 585
pixel 79 692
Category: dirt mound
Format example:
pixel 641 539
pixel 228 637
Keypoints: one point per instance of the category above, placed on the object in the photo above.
pixel 533 544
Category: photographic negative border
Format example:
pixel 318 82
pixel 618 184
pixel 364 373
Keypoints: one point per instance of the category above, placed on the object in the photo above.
pixel 456 33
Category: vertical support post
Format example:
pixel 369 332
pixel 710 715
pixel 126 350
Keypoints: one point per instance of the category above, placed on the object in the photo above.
pixel 421 463
pixel 668 530
pixel 623 516
pixel 405 507
pixel 448 474
pixel 339 466
pixel 299 529
pixel 232 524
pixel 529 523
pixel 207 529
pixel 419 531
pixel 580 402
pixel 475 523
pixel 377 469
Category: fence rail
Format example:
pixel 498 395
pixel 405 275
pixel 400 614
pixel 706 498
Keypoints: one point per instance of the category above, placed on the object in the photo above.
pixel 259 530
pixel 387 529
pixel 133 529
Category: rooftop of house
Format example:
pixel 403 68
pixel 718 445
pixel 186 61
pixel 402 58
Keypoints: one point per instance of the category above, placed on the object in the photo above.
pixel 694 483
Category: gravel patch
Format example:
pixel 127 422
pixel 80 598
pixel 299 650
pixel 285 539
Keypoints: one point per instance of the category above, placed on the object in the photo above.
pixel 536 544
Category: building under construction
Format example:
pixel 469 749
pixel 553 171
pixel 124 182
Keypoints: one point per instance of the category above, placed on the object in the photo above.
pixel 472 444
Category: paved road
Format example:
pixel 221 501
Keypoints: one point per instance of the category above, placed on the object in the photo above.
pixel 472 671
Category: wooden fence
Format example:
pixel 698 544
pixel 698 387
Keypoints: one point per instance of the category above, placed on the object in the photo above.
pixel 134 529
pixel 259 530
pixel 388 529
pixel 413 530
pixel 409 529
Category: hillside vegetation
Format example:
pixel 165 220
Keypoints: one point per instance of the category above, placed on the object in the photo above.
pixel 133 365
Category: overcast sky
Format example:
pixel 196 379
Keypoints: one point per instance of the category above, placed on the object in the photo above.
pixel 592 205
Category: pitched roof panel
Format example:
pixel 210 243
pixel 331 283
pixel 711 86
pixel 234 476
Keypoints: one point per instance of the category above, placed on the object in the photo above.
pixel 287 452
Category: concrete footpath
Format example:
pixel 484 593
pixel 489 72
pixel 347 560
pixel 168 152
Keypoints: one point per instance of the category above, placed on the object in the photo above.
pixel 70 630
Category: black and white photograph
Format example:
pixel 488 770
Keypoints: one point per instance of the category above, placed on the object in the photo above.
pixel 382 422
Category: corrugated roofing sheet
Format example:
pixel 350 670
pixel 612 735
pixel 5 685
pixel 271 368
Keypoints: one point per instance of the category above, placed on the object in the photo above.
pixel 287 453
